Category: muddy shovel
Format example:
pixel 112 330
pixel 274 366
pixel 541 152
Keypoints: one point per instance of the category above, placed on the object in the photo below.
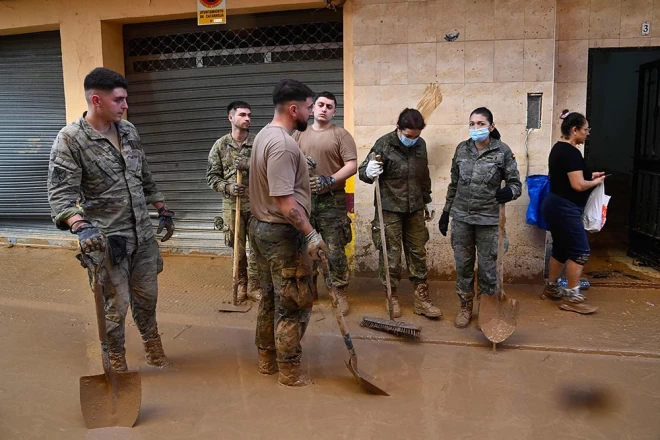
pixel 234 305
pixel 109 399
pixel 497 313
pixel 363 379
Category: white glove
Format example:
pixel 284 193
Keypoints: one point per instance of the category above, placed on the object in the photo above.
pixel 374 169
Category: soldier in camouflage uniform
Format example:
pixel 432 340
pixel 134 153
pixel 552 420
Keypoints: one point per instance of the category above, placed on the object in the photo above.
pixel 281 236
pixel 473 197
pixel 221 176
pixel 335 153
pixel 405 187
pixel 99 186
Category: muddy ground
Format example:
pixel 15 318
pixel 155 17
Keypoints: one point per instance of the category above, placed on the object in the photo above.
pixel 448 385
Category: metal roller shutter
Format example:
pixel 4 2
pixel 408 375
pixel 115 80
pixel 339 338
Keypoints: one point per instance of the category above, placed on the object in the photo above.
pixel 32 109
pixel 181 78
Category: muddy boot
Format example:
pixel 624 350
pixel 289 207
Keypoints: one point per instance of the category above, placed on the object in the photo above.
pixel 574 301
pixel 551 292
pixel 395 304
pixel 342 300
pixel 291 375
pixel 464 316
pixel 267 362
pixel 422 303
pixel 118 361
pixel 153 351
pixel 254 291
pixel 241 295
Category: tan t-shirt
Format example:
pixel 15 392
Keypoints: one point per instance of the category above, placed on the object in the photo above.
pixel 331 148
pixel 277 168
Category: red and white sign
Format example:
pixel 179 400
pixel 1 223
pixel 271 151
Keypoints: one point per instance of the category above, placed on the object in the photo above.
pixel 211 12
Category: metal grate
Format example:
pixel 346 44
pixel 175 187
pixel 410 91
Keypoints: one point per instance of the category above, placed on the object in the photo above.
pixel 255 45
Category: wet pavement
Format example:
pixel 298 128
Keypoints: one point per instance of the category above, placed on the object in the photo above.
pixel 448 385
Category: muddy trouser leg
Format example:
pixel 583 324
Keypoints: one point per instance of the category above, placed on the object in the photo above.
pixel 144 287
pixel 334 225
pixel 486 241
pixel 265 333
pixel 393 232
pixel 415 236
pixel 252 271
pixel 463 243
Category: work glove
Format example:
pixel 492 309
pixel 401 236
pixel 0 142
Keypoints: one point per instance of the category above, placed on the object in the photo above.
pixel 315 244
pixel 428 213
pixel 311 163
pixel 443 224
pixel 320 184
pixel 503 195
pixel 90 238
pixel 374 169
pixel 236 190
pixel 242 163
pixel 165 222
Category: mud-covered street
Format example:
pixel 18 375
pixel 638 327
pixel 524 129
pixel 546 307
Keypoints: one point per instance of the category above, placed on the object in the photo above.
pixel 448 385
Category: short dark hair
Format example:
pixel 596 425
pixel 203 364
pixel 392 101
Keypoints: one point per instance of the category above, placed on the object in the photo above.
pixel 235 105
pixel 411 119
pixel 104 79
pixel 483 111
pixel 571 119
pixel 326 95
pixel 288 90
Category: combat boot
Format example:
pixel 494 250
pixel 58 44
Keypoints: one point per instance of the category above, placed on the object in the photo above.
pixel 254 290
pixel 464 316
pixel 241 295
pixel 153 349
pixel 118 361
pixel 551 292
pixel 422 304
pixel 342 300
pixel 395 304
pixel 291 375
pixel 574 301
pixel 267 362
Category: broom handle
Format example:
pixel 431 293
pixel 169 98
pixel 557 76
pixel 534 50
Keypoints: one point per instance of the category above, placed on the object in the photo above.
pixel 383 245
pixel 237 224
pixel 500 247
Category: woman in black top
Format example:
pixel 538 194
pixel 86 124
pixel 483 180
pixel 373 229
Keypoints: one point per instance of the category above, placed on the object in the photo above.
pixel 570 185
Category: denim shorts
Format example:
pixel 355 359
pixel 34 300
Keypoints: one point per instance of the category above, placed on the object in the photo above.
pixel 569 239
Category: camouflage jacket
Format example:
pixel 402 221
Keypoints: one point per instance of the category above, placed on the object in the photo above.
pixel 475 178
pixel 88 176
pixel 221 169
pixel 405 185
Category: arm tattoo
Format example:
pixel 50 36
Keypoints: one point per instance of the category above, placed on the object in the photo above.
pixel 296 219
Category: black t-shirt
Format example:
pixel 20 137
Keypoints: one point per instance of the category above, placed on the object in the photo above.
pixel 565 158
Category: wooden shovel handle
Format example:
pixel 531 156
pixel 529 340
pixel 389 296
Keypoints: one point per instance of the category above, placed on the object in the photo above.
pixel 237 224
pixel 500 247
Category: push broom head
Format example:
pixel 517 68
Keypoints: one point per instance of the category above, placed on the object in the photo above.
pixel 393 327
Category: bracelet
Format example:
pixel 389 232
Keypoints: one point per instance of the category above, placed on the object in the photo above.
pixel 76 222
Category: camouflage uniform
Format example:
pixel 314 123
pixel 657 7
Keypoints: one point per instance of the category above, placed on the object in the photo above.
pixel 88 176
pixel 285 277
pixel 475 213
pixel 220 172
pixel 405 188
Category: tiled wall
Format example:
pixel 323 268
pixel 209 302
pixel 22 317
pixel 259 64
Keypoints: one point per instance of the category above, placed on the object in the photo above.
pixel 505 50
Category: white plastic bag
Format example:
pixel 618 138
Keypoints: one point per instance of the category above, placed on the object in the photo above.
pixel 595 210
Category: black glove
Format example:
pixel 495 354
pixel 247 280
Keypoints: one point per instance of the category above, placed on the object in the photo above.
pixel 503 195
pixel 443 224
pixel 90 237
pixel 236 190
pixel 242 163
pixel 320 184
pixel 165 222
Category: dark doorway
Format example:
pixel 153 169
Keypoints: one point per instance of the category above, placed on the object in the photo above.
pixel 612 110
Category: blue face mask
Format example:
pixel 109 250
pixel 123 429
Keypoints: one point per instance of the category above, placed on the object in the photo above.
pixel 480 134
pixel 407 141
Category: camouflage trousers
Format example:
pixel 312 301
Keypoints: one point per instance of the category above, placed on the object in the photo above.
pixel 470 241
pixel 247 265
pixel 132 282
pixel 409 230
pixel 329 218
pixel 286 292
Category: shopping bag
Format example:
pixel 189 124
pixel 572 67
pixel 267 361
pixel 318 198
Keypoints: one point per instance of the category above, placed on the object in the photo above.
pixel 538 186
pixel 595 211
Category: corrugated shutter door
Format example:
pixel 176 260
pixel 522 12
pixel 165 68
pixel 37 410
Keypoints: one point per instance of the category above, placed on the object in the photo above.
pixel 32 109
pixel 181 113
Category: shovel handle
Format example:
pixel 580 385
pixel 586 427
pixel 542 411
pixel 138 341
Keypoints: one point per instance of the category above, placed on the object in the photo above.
pixel 500 248
pixel 383 243
pixel 237 224
pixel 97 288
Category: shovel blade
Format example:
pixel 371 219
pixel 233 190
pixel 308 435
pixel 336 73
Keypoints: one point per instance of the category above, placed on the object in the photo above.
pixel 365 381
pixel 497 317
pixel 238 308
pixel 102 408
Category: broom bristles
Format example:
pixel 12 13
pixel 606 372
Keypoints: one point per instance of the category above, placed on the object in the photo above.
pixel 393 327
